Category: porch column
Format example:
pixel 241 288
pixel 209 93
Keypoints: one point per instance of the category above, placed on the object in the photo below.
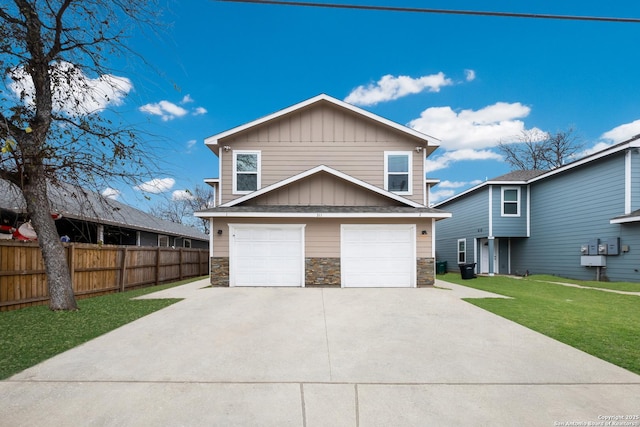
pixel 492 255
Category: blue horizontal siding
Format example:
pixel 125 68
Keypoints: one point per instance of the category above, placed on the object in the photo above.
pixel 470 219
pixel 509 226
pixel 570 209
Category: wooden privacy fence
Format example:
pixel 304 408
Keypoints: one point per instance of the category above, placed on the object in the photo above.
pixel 95 269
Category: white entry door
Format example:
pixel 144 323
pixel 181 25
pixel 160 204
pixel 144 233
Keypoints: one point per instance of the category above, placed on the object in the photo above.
pixel 378 255
pixel 266 255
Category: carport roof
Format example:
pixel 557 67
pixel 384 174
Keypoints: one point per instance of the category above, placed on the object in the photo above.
pixel 262 211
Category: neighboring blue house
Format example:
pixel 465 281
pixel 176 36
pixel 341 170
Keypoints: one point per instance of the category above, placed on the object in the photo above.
pixel 581 220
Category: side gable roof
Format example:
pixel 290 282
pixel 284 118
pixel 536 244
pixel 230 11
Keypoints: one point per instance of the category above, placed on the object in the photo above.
pixel 318 169
pixel 77 203
pixel 527 177
pixel 512 178
pixel 213 141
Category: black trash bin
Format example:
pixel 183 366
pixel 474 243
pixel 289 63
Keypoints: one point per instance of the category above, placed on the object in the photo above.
pixel 467 271
pixel 441 267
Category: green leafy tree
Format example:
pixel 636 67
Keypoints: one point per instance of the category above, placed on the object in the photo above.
pixel 55 123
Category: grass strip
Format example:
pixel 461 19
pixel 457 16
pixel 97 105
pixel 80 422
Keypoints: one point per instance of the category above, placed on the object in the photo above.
pixel 616 286
pixel 603 324
pixel 34 334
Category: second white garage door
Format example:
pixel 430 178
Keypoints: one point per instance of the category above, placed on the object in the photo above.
pixel 378 255
pixel 266 255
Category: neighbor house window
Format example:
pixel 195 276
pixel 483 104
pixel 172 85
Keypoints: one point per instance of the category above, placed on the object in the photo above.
pixel 246 171
pixel 510 201
pixel 186 243
pixel 462 251
pixel 163 241
pixel 397 172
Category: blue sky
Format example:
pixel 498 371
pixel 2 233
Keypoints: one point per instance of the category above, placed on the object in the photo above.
pixel 470 81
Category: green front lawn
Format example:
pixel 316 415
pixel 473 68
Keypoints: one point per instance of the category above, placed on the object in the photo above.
pixel 618 286
pixel 32 335
pixel 603 324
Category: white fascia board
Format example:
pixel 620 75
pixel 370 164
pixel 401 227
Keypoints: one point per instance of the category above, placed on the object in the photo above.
pixel 213 140
pixel 631 143
pixel 479 186
pixel 625 220
pixel 317 169
pixel 634 142
pixel 442 215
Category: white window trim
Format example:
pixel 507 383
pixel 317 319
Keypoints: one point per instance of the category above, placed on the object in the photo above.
pixel 458 251
pixel 162 236
pixel 409 154
pixel 186 242
pixel 502 201
pixel 235 172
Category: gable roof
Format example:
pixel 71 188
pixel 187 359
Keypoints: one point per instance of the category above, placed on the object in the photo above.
pixel 530 176
pixel 331 171
pixel 518 177
pixel 213 141
pixel 77 203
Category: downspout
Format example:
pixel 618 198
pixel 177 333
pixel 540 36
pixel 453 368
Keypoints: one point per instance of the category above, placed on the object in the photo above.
pixel 490 237
pixel 627 182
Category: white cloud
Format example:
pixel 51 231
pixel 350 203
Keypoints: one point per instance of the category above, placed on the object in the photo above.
pixel 452 184
pixel 111 193
pixel 438 195
pixel 167 110
pixel 446 189
pixel 190 144
pixel 587 152
pixel 470 75
pixel 74 93
pixel 622 132
pixel 445 160
pixel 473 129
pixel 614 136
pixel 393 87
pixel 156 185
pixel 182 195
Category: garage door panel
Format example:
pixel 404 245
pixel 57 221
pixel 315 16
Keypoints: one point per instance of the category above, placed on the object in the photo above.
pixel 378 255
pixel 266 255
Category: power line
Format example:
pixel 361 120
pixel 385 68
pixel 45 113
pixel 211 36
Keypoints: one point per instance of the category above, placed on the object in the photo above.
pixel 441 11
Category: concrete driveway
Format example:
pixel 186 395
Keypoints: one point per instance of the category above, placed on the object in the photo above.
pixel 320 357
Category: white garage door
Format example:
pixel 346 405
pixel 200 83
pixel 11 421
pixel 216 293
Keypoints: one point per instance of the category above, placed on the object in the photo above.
pixel 378 255
pixel 266 255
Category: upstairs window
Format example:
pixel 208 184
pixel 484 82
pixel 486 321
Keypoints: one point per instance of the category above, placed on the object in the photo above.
pixel 246 171
pixel 397 172
pixel 510 201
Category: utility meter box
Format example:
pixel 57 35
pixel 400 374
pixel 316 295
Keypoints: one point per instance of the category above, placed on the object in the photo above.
pixel 610 246
pixel 593 261
pixel 593 247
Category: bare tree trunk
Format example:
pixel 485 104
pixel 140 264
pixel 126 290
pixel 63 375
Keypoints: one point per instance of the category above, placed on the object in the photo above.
pixel 55 260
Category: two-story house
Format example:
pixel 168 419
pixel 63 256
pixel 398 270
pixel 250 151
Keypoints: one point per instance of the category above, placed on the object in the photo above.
pixel 581 220
pixel 322 193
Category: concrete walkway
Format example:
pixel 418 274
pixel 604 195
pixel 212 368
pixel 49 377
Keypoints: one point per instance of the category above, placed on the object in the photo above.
pixel 320 357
